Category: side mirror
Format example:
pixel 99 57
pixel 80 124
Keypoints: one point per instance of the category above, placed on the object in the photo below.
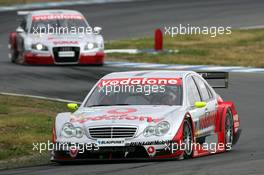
pixel 20 30
pixel 200 104
pixel 72 106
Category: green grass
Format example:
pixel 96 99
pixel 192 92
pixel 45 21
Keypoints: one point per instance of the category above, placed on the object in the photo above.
pixel 24 121
pixel 241 48
pixel 12 2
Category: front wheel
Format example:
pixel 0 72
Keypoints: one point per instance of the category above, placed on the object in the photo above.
pixel 13 54
pixel 187 139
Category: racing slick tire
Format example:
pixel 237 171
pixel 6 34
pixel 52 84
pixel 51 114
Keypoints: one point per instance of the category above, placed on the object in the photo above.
pixel 229 130
pixel 187 139
pixel 20 58
pixel 13 55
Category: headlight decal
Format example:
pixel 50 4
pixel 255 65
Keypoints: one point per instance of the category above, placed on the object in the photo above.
pixel 68 131
pixel 159 130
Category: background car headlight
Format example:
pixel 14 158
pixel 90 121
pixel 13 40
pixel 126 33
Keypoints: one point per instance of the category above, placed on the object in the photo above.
pixel 68 130
pixel 162 128
pixel 158 130
pixel 39 47
pixel 90 46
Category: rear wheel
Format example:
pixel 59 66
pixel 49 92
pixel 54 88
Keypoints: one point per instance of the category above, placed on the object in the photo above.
pixel 187 139
pixel 229 132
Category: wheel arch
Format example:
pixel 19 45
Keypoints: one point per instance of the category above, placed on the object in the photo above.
pixel 223 108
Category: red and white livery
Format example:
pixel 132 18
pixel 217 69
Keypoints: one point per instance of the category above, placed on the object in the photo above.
pixel 55 37
pixel 148 114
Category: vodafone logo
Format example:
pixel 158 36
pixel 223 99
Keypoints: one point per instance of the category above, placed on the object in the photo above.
pixel 122 111
pixel 116 114
pixel 140 81
pixel 56 16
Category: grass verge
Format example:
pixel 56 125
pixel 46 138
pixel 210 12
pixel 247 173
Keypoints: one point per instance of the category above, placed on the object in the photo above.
pixel 241 48
pixel 24 121
pixel 8 2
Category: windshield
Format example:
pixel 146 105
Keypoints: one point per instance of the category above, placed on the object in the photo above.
pixel 58 24
pixel 135 94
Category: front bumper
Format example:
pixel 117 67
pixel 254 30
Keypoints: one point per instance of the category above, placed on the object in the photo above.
pixel 34 58
pixel 96 58
pixel 157 151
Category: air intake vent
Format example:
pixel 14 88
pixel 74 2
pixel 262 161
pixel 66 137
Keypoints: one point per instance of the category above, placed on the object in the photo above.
pixel 112 132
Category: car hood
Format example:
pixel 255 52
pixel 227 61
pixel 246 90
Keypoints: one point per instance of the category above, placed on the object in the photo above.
pixel 124 115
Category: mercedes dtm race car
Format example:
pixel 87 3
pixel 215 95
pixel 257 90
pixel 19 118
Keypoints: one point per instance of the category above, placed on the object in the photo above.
pixel 55 37
pixel 148 114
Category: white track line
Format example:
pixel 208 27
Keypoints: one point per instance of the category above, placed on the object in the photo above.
pixel 186 67
pixel 39 97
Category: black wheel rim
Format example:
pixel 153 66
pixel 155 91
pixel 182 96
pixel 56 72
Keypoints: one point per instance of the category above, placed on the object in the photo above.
pixel 228 130
pixel 187 138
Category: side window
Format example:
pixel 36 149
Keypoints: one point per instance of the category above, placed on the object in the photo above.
pixel 192 91
pixel 23 24
pixel 203 89
pixel 209 92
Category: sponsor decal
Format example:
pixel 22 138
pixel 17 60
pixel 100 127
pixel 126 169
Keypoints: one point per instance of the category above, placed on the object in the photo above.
pixel 111 142
pixel 151 149
pixel 140 81
pixel 207 121
pixel 122 111
pixel 65 42
pixel 73 152
pixel 235 117
pixel 205 124
pixel 56 16
pixel 115 114
pixel 85 118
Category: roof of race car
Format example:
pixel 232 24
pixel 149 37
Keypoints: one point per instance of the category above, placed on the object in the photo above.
pixel 58 11
pixel 148 74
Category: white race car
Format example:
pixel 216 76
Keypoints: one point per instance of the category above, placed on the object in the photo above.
pixel 147 114
pixel 55 37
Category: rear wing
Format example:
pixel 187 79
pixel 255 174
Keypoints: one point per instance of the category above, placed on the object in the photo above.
pixel 220 78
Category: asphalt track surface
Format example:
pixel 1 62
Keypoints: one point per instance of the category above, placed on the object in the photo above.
pixel 133 19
